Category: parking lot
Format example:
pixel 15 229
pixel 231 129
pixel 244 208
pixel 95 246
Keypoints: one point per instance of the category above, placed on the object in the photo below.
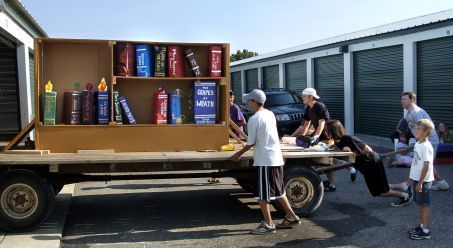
pixel 191 212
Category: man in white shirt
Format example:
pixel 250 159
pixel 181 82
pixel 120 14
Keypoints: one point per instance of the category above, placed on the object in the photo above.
pixel 268 160
pixel 413 113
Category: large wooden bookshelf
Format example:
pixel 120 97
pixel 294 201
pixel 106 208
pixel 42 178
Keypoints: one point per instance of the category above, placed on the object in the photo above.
pixel 66 61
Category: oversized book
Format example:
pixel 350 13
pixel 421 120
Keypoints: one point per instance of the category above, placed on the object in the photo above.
pixel 88 109
pixel 117 105
pixel 205 102
pixel 72 108
pixel 193 61
pixel 215 61
pixel 50 105
pixel 127 111
pixel 160 61
pixel 103 108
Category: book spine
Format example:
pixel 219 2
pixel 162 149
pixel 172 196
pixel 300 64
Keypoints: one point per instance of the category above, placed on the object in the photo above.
pixel 103 108
pixel 174 108
pixel 127 111
pixel 73 108
pixel 125 60
pixel 143 60
pixel 205 102
pixel 160 61
pixel 87 107
pixel 215 61
pixel 175 62
pixel 50 107
pixel 160 105
pixel 194 65
pixel 118 113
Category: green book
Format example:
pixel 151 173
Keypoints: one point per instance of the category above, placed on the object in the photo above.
pixel 50 107
pixel 118 113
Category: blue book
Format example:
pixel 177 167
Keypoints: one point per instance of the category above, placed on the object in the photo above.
pixel 127 111
pixel 144 60
pixel 205 102
pixel 174 107
pixel 103 107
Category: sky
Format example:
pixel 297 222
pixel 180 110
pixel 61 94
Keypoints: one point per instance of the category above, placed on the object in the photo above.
pixel 262 26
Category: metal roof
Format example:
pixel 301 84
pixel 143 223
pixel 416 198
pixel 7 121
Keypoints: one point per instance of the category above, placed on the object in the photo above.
pixel 392 27
pixel 19 6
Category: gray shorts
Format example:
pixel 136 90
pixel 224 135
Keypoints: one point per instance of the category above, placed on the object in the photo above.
pixel 422 198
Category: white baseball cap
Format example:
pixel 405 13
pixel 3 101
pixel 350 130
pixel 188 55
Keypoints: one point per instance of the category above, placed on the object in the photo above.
pixel 256 95
pixel 310 92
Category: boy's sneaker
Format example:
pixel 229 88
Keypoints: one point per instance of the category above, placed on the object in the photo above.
pixel 401 202
pixel 441 185
pixel 354 176
pixel 287 223
pixel 421 235
pixel 414 231
pixel 263 228
pixel 328 186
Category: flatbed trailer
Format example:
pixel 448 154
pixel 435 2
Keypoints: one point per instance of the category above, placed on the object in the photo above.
pixel 29 182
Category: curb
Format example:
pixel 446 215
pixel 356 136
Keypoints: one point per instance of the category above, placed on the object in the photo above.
pixel 50 233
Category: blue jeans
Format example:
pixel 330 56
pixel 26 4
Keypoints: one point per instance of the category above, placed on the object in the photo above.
pixel 424 197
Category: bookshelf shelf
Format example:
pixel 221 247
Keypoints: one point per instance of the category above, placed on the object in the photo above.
pixel 66 61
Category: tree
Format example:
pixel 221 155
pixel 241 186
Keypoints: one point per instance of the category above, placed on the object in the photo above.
pixel 244 54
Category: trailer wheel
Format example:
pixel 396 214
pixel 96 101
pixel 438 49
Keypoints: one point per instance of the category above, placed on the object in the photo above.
pixel 249 185
pixel 26 200
pixel 304 190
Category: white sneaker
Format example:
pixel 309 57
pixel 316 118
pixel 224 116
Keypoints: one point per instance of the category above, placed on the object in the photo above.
pixel 441 185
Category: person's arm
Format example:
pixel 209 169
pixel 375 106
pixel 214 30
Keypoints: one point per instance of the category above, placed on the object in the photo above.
pixel 241 123
pixel 366 150
pixel 322 124
pixel 425 169
pixel 237 156
pixel 302 129
pixel 241 118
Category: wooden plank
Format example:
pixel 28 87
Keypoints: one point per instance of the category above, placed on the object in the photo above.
pixel 104 151
pixel 238 129
pixel 20 136
pixel 235 137
pixel 38 152
pixel 142 157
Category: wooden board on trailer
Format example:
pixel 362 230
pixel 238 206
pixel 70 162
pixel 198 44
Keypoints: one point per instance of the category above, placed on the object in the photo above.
pixel 143 157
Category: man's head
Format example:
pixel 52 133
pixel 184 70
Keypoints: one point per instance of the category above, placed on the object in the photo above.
pixel 408 99
pixel 231 97
pixel 309 96
pixel 423 128
pixel 255 99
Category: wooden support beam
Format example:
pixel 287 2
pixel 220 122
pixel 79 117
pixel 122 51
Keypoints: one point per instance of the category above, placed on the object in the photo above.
pixel 20 136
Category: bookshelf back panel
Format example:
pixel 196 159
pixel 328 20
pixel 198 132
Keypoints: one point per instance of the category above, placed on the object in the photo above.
pixel 68 63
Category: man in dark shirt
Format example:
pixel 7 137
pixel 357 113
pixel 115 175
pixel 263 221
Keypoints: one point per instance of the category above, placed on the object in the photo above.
pixel 316 115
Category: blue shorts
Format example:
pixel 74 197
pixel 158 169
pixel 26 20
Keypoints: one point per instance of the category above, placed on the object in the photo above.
pixel 424 197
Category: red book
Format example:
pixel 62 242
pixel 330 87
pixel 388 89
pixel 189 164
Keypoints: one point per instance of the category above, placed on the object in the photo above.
pixel 175 61
pixel 215 61
pixel 160 103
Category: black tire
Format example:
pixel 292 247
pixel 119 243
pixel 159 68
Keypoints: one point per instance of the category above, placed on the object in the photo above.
pixel 304 190
pixel 57 188
pixel 26 200
pixel 248 184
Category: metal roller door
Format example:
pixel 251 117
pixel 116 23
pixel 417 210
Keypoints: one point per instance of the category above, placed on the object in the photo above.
pixel 329 84
pixel 271 77
pixel 236 86
pixel 9 99
pixel 378 84
pixel 251 80
pixel 435 78
pixel 296 76
pixel 32 81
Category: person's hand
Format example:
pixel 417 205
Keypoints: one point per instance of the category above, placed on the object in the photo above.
pixel 419 187
pixel 347 149
pixel 314 139
pixel 235 158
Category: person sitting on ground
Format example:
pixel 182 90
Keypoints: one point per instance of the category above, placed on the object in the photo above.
pixel 238 118
pixel 402 160
pixel 368 163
